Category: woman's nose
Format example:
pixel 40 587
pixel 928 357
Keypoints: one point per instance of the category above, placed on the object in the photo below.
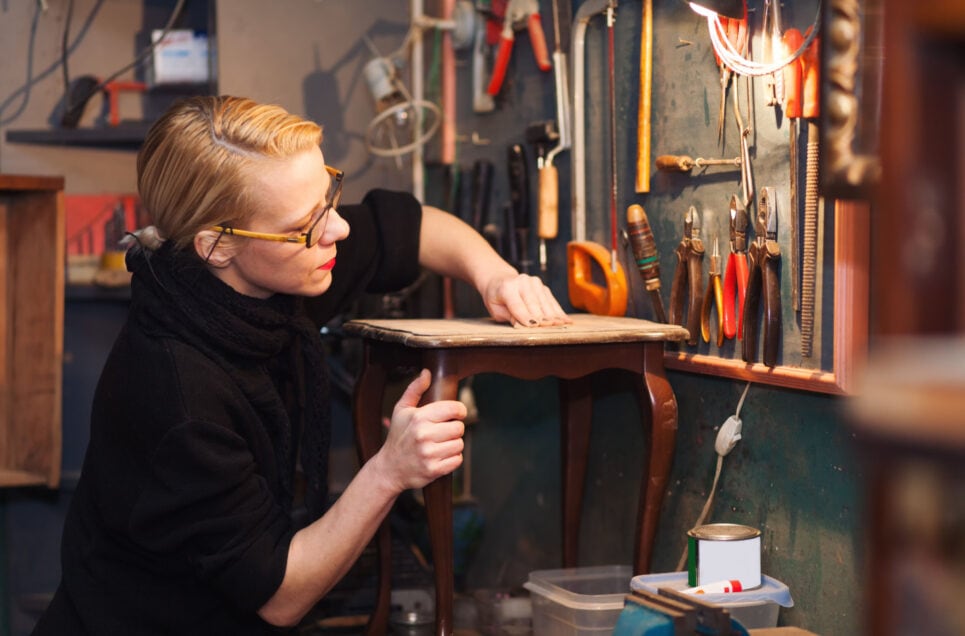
pixel 336 228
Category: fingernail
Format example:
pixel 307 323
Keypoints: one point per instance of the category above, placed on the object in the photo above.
pixel 532 321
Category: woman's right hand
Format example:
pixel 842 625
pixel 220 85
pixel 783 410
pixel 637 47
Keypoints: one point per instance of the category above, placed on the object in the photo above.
pixel 424 442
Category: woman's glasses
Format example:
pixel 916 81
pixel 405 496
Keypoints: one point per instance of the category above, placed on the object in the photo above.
pixel 316 227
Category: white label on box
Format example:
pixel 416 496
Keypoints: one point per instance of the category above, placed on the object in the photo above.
pixel 729 560
pixel 181 58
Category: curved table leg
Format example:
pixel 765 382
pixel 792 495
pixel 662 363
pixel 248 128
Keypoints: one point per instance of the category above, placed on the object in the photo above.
pixel 576 411
pixel 656 391
pixel 368 437
pixel 438 497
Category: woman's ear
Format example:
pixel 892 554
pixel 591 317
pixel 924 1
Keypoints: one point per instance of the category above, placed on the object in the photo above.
pixel 212 248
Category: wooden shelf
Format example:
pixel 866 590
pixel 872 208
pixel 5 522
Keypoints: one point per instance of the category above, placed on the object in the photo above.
pixel 127 135
pixel 32 244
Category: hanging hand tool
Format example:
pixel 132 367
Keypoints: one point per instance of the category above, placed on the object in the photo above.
pixel 747 173
pixel 735 274
pixel 542 135
pixel 608 299
pixel 771 36
pixel 810 110
pixel 519 201
pixel 481 187
pixel 791 73
pixel 764 280
pixel 482 101
pixel 683 163
pixel 547 226
pixel 645 253
pixel 646 88
pixel 611 298
pixel 611 89
pixel 713 297
pixel 689 273
pixel 736 31
pixel 519 13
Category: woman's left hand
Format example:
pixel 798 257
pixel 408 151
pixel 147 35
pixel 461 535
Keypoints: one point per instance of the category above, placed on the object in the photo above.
pixel 523 300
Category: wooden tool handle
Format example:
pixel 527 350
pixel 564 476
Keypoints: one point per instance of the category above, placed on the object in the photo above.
pixel 548 223
pixel 674 163
pixel 643 113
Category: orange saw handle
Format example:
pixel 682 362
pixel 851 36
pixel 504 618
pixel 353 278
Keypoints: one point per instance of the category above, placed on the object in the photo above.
pixel 603 300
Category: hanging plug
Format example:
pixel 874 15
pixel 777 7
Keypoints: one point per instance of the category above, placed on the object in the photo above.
pixel 728 435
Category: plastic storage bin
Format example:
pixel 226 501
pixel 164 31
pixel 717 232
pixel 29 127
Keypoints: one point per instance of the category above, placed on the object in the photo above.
pixel 577 601
pixel 754 609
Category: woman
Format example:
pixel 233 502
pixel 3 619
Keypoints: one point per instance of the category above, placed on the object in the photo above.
pixel 210 424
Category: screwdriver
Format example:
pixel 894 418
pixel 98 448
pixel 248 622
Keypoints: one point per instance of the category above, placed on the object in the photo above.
pixel 792 40
pixel 645 254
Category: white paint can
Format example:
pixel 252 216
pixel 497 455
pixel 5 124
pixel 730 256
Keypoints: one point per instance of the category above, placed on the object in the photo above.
pixel 724 552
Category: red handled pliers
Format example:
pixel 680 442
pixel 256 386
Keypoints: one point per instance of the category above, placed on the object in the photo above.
pixel 736 273
pixel 519 13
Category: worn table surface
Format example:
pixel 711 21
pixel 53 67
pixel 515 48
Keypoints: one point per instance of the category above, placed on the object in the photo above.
pixel 481 332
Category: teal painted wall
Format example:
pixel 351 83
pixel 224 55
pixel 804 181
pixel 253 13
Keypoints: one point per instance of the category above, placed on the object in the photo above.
pixel 792 476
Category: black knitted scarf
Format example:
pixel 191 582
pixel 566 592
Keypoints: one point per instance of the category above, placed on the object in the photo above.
pixel 268 347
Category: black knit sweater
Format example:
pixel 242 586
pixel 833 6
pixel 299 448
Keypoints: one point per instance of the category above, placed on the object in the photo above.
pixel 182 518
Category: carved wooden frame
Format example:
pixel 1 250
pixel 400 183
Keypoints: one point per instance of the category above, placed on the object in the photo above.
pixel 851 57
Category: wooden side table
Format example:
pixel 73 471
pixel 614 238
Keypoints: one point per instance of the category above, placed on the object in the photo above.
pixel 454 349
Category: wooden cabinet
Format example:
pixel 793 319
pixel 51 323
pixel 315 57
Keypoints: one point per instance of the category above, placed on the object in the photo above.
pixel 31 329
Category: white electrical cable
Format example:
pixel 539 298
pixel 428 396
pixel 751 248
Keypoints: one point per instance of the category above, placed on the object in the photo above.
pixel 735 60
pixel 713 489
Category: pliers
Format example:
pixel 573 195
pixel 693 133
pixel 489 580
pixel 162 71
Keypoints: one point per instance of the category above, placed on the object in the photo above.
pixel 713 295
pixel 689 272
pixel 735 275
pixel 519 13
pixel 765 279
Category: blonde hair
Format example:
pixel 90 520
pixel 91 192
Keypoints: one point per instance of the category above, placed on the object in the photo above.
pixel 192 169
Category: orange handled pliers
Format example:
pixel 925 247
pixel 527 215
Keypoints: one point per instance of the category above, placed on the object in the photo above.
pixel 735 276
pixel 519 13
pixel 713 296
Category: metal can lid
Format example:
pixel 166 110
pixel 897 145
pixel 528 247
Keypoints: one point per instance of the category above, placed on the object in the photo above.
pixel 723 532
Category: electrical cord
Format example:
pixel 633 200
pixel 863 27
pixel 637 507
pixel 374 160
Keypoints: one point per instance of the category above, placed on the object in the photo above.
pixel 727 438
pixel 69 104
pixel 735 60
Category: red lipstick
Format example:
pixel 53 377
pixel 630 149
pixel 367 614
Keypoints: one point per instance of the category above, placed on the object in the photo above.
pixel 329 265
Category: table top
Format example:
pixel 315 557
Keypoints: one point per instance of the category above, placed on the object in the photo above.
pixel 433 333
